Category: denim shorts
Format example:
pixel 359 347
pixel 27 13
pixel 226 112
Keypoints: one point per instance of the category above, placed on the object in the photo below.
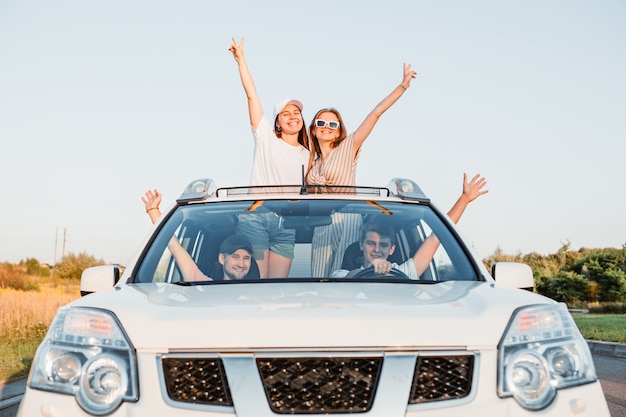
pixel 265 231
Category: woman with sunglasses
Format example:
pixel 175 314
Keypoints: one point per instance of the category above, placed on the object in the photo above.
pixel 335 153
pixel 333 161
pixel 281 150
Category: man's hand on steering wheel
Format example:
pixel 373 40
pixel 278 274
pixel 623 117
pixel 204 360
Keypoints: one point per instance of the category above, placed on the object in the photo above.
pixel 369 273
pixel 381 266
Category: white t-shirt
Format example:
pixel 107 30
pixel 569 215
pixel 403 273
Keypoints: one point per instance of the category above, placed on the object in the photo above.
pixel 275 161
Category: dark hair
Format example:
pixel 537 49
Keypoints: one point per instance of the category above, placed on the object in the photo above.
pixel 382 225
pixel 316 152
pixel 303 136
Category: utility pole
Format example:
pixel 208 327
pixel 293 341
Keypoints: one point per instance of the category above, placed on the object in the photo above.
pixel 56 241
pixel 64 240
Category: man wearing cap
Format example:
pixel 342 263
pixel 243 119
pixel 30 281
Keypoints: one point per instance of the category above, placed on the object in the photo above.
pixel 235 255
pixel 281 157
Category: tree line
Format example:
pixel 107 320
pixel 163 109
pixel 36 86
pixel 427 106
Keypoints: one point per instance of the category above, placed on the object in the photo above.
pixel 574 277
pixel 23 276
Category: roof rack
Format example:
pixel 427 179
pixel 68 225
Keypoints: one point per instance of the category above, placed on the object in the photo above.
pixel 202 189
pixel 303 190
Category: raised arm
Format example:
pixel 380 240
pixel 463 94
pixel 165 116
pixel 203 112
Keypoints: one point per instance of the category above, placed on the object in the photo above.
pixel 370 121
pixel 254 103
pixel 187 266
pixel 471 191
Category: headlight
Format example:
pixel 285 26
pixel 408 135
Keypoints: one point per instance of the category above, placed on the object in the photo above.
pixel 87 354
pixel 541 352
pixel 103 384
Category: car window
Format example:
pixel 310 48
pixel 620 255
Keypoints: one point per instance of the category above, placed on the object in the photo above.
pixel 201 228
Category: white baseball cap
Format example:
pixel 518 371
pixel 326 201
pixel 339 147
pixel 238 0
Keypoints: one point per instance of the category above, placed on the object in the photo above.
pixel 284 102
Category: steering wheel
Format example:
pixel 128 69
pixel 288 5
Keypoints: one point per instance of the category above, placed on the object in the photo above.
pixel 369 273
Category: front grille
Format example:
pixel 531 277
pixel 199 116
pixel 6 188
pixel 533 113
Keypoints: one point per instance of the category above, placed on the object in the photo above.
pixel 317 385
pixel 196 380
pixel 439 378
pixel 320 385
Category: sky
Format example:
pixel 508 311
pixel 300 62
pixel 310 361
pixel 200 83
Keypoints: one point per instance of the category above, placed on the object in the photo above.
pixel 102 100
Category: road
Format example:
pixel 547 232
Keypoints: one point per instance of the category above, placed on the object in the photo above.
pixel 611 371
pixel 612 374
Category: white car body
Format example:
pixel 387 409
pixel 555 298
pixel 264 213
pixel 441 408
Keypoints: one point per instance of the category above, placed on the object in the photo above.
pixel 454 332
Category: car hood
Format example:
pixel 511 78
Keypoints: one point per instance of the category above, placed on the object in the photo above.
pixel 312 315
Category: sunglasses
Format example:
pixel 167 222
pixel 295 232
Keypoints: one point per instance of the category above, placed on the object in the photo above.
pixel 330 123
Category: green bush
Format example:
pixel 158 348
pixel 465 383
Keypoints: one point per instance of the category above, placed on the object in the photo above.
pixel 72 266
pixel 33 267
pixel 568 287
pixel 575 277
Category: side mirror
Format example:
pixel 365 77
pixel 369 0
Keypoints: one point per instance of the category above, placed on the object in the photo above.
pixel 99 278
pixel 513 275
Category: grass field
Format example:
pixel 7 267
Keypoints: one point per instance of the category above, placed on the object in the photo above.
pixel 26 316
pixel 24 322
pixel 602 327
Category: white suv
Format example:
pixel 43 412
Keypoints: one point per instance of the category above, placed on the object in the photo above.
pixel 449 341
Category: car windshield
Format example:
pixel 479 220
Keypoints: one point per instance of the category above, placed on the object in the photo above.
pixel 324 239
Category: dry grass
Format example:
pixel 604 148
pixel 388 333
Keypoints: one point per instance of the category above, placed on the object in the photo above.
pixel 24 322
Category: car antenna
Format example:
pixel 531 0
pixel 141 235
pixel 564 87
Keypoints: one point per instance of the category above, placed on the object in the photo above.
pixel 303 189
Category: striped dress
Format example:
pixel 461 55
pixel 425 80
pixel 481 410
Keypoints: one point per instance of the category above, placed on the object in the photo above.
pixel 330 242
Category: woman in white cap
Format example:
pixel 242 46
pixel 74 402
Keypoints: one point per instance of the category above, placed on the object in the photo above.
pixel 282 145
pixel 281 155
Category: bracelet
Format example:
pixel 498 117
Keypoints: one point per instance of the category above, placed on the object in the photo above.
pixel 153 208
pixel 402 85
